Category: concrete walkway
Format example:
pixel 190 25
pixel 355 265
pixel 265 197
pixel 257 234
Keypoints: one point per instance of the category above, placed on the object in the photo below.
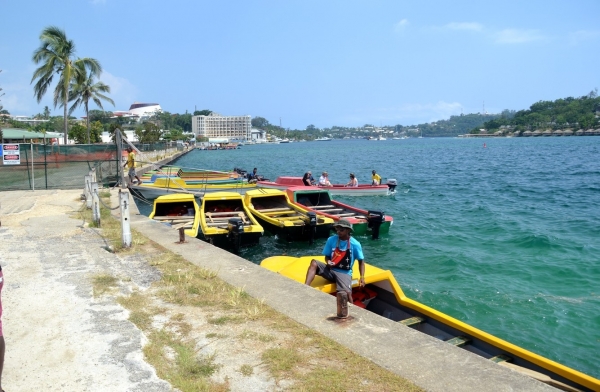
pixel 59 337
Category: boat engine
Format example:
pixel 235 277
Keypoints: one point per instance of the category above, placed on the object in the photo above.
pixel 376 219
pixel 392 184
pixel 312 226
pixel 235 226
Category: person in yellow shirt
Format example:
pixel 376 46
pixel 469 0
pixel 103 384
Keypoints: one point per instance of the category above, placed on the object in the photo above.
pixel 131 165
pixel 376 178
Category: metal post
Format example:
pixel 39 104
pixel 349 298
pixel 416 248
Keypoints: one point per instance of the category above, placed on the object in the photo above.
pixel 95 204
pixel 87 191
pixel 32 173
pixel 125 227
pixel 93 174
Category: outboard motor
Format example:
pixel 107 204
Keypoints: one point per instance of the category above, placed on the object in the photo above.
pixel 392 184
pixel 235 226
pixel 376 219
pixel 312 226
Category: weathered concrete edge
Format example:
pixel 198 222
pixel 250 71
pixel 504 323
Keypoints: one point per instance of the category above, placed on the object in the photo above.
pixel 426 361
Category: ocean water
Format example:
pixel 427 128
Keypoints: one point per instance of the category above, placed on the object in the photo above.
pixel 505 238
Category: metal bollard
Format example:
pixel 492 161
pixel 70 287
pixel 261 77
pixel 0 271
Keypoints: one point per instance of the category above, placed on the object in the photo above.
pixel 87 191
pixel 95 204
pixel 181 235
pixel 342 304
pixel 125 227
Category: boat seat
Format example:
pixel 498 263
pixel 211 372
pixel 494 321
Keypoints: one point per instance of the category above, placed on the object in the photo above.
pixel 217 224
pixel 277 213
pixel 273 209
pixel 458 341
pixel 222 213
pixel 412 321
pixel 325 206
pixel 187 225
pixel 345 215
pixel 174 217
pixel 332 210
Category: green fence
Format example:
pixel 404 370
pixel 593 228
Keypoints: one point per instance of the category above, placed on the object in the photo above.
pixel 45 166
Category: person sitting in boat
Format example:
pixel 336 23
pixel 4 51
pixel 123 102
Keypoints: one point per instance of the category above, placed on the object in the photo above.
pixel 324 179
pixel 353 183
pixel 376 178
pixel 253 177
pixel 308 179
pixel 340 251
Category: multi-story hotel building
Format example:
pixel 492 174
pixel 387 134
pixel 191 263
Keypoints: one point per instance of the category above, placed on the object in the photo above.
pixel 217 128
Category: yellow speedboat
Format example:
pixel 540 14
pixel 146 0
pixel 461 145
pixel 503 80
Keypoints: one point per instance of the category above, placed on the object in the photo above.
pixel 225 220
pixel 382 295
pixel 178 209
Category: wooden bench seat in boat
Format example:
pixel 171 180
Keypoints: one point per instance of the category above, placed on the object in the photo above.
pixel 320 207
pixel 412 321
pixel 458 341
pixel 332 210
pixel 186 225
pixel 280 213
pixel 346 215
pixel 263 210
pixel 225 216
pixel 174 217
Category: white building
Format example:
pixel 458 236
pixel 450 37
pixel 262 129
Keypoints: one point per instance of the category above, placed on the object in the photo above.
pixel 139 111
pixel 217 128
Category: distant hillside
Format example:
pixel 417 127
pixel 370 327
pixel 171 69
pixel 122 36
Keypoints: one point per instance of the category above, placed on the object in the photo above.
pixel 580 113
pixel 456 125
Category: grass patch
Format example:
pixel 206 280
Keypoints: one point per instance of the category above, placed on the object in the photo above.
pixel 103 283
pixel 289 352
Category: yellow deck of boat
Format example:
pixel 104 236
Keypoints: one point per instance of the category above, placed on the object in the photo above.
pixel 177 220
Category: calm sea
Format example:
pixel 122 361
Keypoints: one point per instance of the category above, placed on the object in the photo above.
pixel 506 237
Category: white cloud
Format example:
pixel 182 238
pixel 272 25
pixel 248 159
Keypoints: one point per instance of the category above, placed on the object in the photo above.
pixel 401 26
pixel 122 91
pixel 472 26
pixel 580 36
pixel 517 36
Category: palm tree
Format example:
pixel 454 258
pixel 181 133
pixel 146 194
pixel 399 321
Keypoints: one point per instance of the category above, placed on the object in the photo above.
pixel 56 56
pixel 85 89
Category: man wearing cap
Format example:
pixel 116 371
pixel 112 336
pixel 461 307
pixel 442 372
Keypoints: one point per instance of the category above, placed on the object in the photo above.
pixel 340 251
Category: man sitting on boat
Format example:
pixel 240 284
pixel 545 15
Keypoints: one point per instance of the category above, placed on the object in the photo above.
pixel 254 176
pixel 376 178
pixel 324 179
pixel 340 251
pixel 308 179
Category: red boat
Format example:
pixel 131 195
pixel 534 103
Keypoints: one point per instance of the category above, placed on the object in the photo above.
pixel 283 182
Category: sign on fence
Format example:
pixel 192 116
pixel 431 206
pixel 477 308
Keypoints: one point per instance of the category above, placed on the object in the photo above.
pixel 11 154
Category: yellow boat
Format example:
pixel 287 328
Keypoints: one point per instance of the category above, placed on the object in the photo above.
pixel 273 209
pixel 225 221
pixel 178 209
pixel 382 295
pixel 168 185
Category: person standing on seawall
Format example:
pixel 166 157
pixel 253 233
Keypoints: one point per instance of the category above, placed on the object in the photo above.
pixel 131 165
pixel 376 178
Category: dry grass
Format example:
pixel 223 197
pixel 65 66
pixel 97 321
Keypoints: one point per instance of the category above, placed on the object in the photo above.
pixel 291 354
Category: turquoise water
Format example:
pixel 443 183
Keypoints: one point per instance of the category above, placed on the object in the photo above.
pixel 505 238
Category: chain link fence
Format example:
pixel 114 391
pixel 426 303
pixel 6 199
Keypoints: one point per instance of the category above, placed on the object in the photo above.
pixel 44 166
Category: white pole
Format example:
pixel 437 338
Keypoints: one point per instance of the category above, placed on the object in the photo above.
pixel 125 227
pixel 32 173
pixel 95 204
pixel 87 191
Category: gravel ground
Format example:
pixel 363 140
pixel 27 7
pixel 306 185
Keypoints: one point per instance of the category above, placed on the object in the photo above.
pixel 58 336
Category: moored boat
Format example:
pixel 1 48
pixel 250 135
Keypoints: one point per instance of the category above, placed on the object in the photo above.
pixel 382 295
pixel 276 213
pixel 225 221
pixel 319 200
pixel 180 210
pixel 284 182
pixel 167 185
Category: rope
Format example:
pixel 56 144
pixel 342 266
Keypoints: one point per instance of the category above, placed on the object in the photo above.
pixel 105 206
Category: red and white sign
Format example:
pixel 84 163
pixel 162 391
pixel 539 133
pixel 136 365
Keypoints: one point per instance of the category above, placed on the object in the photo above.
pixel 11 154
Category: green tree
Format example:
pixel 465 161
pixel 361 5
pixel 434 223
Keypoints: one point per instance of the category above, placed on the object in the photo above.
pixel 260 122
pixel 204 112
pixel 77 132
pixel 84 89
pixel 149 133
pixel 56 56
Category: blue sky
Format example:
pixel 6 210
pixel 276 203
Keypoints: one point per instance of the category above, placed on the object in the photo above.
pixel 326 63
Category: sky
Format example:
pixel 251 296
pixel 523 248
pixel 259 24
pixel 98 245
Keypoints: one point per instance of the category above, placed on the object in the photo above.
pixel 306 62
